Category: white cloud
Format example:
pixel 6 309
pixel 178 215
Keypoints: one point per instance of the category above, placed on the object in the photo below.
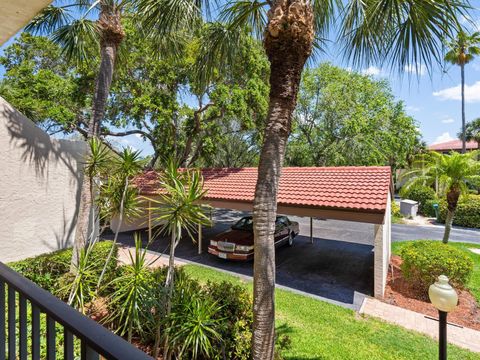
pixel 418 69
pixel 448 120
pixel 472 93
pixel 372 70
pixel 444 137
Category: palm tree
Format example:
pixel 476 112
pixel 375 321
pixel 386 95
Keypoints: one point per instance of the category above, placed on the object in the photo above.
pixel 462 50
pixel 472 131
pixel 78 36
pixel 454 171
pixel 179 210
pixel 400 33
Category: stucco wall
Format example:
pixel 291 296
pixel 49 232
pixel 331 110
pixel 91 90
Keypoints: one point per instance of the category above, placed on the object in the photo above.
pixel 40 181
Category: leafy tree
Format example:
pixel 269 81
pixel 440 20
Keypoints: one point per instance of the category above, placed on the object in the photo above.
pixel 345 118
pixel 462 50
pixel 472 131
pixel 401 33
pixel 454 172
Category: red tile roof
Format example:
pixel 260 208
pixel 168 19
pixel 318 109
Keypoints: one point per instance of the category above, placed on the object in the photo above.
pixel 341 188
pixel 453 145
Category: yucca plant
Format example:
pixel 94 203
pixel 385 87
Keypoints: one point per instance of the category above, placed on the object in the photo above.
pixel 119 198
pixel 193 329
pixel 133 294
pixel 454 172
pixel 179 209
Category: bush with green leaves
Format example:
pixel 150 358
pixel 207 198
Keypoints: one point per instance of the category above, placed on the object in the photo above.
pixel 422 194
pixel 45 270
pixel 467 213
pixel 236 306
pixel 425 260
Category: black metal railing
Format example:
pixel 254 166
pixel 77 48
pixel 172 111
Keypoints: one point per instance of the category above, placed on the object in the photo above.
pixel 36 325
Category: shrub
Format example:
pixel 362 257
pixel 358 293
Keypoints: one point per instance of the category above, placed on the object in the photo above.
pixel 425 260
pixel 428 209
pixel 45 270
pixel 236 306
pixel 421 194
pixel 396 210
pixel 467 213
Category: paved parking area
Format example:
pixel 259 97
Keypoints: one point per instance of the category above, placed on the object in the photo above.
pixel 332 269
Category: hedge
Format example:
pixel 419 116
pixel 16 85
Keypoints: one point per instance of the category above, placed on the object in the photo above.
pixel 425 260
pixel 424 195
pixel 467 213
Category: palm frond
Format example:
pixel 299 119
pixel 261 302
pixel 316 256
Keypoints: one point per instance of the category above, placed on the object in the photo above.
pixel 49 19
pixel 77 38
pixel 246 14
pixel 399 32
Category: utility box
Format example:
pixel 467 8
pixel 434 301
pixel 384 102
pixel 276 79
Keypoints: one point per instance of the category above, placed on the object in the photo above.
pixel 409 208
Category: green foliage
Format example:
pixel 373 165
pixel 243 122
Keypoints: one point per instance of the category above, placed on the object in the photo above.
pixel 346 118
pixel 46 270
pixel 396 209
pixel 422 194
pixel 235 304
pixel 467 213
pixel 132 296
pixel 425 260
pixel 429 209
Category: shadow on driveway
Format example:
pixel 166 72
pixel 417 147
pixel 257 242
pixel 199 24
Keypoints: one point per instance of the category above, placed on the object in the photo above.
pixel 336 271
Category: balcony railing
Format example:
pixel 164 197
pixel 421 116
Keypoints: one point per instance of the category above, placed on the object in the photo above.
pixel 26 336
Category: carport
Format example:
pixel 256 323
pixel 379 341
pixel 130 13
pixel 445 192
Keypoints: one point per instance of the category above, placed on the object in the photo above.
pixel 359 194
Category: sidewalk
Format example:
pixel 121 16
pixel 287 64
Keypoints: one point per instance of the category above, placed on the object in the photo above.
pixel 460 336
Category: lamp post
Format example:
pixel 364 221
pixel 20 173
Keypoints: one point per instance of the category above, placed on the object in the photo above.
pixel 445 299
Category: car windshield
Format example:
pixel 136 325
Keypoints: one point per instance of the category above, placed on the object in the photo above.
pixel 245 224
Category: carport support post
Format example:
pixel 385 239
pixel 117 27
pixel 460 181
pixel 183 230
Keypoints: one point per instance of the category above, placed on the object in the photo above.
pixel 311 230
pixel 149 221
pixel 199 238
pixel 380 266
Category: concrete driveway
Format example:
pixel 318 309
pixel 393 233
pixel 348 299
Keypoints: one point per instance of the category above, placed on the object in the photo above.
pixel 337 267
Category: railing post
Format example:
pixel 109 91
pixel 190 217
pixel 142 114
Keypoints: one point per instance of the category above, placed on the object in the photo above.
pixel 35 332
pixel 67 344
pixel 51 350
pixel 12 340
pixel 22 314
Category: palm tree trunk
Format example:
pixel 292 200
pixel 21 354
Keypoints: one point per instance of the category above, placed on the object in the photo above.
pixel 288 43
pixel 112 35
pixel 462 71
pixel 448 226
pixel 452 200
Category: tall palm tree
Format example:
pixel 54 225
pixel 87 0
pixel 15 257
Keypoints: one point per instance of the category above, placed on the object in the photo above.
pixel 462 50
pixel 78 35
pixel 454 173
pixel 400 33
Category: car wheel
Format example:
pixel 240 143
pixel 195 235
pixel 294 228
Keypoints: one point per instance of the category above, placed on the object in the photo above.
pixel 290 239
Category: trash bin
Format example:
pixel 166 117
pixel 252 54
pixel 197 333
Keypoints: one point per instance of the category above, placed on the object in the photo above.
pixel 409 208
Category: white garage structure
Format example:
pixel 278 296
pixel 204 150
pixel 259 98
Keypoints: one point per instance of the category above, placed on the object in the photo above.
pixel 360 194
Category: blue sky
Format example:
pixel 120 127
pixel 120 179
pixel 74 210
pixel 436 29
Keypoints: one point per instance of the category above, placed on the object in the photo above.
pixel 434 101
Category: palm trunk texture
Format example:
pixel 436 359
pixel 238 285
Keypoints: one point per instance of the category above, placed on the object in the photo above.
pixel 112 35
pixel 452 200
pixel 288 44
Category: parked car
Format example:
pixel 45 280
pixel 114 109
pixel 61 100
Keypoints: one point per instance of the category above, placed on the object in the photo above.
pixel 237 243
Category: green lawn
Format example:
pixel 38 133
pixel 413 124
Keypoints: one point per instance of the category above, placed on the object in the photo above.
pixel 319 330
pixel 474 283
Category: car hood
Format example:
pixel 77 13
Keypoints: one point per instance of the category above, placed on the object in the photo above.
pixel 239 237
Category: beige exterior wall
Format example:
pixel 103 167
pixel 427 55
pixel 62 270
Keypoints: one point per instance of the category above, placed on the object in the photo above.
pixel 382 251
pixel 40 181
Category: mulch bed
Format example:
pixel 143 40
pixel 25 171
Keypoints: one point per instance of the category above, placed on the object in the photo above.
pixel 398 292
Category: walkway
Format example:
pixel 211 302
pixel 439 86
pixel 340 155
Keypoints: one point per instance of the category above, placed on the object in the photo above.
pixel 460 336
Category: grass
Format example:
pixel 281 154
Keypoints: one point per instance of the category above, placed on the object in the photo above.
pixel 474 282
pixel 320 330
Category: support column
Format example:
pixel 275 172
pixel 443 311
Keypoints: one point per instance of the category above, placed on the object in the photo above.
pixel 199 238
pixel 149 221
pixel 311 230
pixel 380 266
